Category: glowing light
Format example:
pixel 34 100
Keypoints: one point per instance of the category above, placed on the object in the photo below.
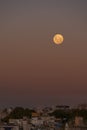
pixel 58 39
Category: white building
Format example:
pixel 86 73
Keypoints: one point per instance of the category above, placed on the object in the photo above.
pixel 37 121
pixel 26 126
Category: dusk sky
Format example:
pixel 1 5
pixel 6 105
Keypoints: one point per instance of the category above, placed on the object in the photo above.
pixel 33 70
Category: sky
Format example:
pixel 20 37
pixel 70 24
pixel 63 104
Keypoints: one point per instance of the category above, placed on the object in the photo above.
pixel 33 70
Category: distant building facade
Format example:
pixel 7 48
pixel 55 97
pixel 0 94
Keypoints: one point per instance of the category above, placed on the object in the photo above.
pixel 78 121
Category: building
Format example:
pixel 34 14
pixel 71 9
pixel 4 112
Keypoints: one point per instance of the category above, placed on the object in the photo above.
pixel 78 121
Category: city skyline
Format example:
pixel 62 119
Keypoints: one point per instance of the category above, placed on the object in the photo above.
pixel 33 70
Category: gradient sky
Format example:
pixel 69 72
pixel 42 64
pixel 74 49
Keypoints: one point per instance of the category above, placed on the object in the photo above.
pixel 33 70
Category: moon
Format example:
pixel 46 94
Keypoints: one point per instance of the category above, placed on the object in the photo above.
pixel 58 39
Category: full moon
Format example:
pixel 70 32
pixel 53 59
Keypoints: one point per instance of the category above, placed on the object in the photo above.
pixel 58 39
